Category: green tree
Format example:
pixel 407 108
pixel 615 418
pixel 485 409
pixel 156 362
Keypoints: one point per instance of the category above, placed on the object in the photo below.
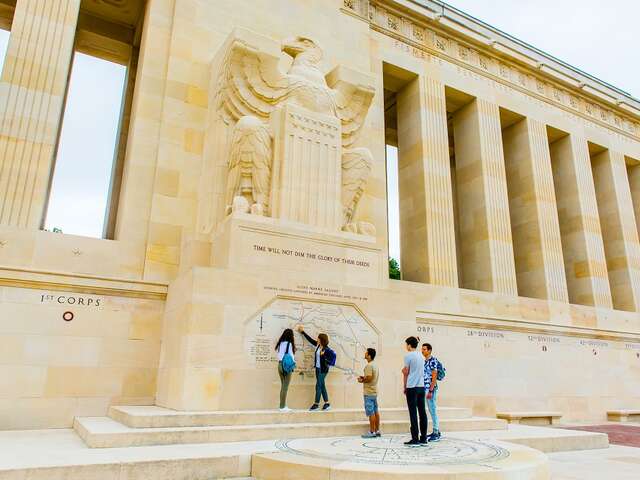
pixel 394 269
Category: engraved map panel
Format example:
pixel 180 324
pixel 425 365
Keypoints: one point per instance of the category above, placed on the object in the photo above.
pixel 350 333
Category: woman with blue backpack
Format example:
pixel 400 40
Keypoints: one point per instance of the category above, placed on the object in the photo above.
pixel 286 348
pixel 324 359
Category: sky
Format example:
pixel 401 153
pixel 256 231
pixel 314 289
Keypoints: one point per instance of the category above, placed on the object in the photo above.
pixel 82 173
pixel 600 38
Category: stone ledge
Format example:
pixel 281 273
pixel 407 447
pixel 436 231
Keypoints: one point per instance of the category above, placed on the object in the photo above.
pixel 531 417
pixel 623 415
pixel 158 417
pixel 103 432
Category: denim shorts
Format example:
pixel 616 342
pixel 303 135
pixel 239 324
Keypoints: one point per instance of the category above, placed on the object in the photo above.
pixel 370 405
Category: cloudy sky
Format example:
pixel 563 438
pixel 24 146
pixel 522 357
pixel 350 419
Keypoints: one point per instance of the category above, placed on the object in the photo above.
pixel 600 38
pixel 596 36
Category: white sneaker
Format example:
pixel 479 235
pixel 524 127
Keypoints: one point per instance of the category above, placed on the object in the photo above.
pixel 285 409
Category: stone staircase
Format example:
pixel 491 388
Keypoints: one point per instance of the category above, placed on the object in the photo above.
pixel 127 426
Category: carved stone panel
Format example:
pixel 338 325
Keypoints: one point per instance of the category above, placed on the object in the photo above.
pixel 308 168
pixel 350 333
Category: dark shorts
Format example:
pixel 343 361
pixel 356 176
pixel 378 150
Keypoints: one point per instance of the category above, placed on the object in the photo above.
pixel 370 405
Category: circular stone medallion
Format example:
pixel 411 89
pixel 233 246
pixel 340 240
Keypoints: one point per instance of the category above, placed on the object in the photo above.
pixel 391 450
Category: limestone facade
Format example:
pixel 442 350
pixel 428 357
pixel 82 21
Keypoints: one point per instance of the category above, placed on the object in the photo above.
pixel 254 169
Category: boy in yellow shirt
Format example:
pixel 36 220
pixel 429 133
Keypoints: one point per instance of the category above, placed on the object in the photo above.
pixel 369 383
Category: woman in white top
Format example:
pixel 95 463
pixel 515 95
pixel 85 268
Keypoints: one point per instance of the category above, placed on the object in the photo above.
pixel 285 346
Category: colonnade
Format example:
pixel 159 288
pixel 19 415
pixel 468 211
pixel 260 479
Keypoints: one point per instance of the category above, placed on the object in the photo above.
pixel 518 208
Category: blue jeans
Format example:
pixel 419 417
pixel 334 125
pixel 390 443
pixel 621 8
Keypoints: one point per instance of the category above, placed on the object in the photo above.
pixel 431 405
pixel 321 388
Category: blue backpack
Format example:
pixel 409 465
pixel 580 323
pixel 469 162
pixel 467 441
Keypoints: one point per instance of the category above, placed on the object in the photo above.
pixel 331 357
pixel 441 371
pixel 288 363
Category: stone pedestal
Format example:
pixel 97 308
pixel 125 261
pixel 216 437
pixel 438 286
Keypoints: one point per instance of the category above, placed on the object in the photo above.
pixel 250 243
pixel 220 329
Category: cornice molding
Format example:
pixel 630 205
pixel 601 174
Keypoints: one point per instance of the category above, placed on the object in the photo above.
pixel 88 284
pixel 466 42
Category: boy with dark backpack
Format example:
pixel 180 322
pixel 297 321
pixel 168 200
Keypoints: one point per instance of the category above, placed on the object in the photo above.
pixel 324 358
pixel 434 371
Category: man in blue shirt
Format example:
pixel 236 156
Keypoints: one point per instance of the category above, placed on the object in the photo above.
pixel 413 374
pixel 431 388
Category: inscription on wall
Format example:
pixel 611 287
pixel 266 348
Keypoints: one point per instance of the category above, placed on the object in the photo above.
pixel 546 342
pixel 70 299
pixel 314 256
pixel 315 291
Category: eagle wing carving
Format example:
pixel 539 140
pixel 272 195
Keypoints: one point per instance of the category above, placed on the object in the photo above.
pixel 250 82
pixel 352 94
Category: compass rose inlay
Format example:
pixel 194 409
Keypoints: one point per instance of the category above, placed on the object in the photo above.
pixel 390 450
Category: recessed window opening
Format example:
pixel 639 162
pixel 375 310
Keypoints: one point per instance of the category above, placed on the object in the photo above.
pixel 393 211
pixel 391 85
pixel 527 242
pixel 454 193
pixel 86 180
pixel 7 8
pixel 633 174
pixel 564 184
pixel 455 102
pixel 614 222
pixel 4 45
pixel 88 141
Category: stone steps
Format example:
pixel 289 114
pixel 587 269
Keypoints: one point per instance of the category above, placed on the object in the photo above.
pixel 158 417
pixel 105 432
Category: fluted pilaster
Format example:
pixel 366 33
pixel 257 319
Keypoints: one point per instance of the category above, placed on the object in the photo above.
pixel 534 217
pixel 618 224
pixel 32 91
pixel 426 212
pixel 582 245
pixel 483 202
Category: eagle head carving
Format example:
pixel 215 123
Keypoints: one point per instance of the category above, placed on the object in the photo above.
pixel 303 47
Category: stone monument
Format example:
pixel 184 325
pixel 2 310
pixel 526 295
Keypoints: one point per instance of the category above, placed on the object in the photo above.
pixel 249 194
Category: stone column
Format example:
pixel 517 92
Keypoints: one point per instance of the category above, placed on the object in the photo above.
pixel 534 216
pixel 619 232
pixel 32 91
pixel 483 202
pixel 427 226
pixel 582 245
pixel 633 173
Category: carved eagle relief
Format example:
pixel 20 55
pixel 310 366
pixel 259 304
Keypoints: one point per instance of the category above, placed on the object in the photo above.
pixel 251 86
